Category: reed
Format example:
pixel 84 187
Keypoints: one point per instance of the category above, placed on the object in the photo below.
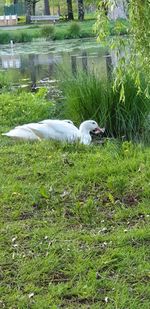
pixel 87 96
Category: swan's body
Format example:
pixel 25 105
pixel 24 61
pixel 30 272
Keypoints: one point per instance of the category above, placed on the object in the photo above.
pixel 56 130
pixel 60 131
pixel 22 133
pixel 52 121
pixel 37 131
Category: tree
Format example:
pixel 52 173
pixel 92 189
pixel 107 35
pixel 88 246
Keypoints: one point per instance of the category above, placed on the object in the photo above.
pixel 46 7
pixel 34 6
pixel 70 10
pixel 80 10
pixel 135 60
pixel 28 10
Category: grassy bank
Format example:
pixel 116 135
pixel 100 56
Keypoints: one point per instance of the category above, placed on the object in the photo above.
pixel 62 30
pixel 74 220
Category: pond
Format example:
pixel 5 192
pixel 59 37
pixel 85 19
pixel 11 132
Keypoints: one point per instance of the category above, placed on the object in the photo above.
pixel 38 63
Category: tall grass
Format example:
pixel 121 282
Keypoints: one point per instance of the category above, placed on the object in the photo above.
pixel 48 31
pixel 87 96
pixel 74 30
pixel 4 82
pixel 19 36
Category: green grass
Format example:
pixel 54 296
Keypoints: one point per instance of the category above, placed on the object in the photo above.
pixel 74 222
pixel 62 31
pixel 22 107
pixel 19 35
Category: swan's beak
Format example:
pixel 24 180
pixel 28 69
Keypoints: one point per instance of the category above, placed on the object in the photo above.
pixel 99 130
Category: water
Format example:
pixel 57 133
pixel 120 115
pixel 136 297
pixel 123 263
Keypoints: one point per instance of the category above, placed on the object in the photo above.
pixel 37 63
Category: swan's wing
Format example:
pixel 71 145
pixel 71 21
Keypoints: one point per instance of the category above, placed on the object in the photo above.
pixel 42 131
pixel 66 131
pixel 59 130
pixel 21 133
pixel 56 121
pixel 55 129
pixel 38 129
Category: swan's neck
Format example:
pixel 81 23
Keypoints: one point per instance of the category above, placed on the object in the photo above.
pixel 85 137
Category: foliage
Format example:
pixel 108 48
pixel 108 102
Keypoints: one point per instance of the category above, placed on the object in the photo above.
pixel 5 37
pixel 86 96
pixel 74 29
pixel 48 31
pixel 22 38
pixel 60 31
pixel 19 36
pixel 22 107
pixel 4 83
pixel 134 59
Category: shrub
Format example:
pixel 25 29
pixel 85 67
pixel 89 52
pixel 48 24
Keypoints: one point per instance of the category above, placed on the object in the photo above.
pixel 4 37
pixel 88 97
pixel 19 108
pixel 22 37
pixel 74 30
pixel 48 31
pixel 19 36
pixel 4 82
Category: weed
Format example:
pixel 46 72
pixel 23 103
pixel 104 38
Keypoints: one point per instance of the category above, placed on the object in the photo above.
pixel 18 108
pixel 48 31
pixel 74 30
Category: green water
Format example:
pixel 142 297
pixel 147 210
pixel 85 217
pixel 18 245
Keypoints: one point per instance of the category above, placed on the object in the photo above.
pixel 38 62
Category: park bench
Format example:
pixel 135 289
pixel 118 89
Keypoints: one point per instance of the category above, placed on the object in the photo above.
pixel 52 18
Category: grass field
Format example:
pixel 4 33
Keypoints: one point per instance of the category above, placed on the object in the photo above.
pixel 62 31
pixel 74 223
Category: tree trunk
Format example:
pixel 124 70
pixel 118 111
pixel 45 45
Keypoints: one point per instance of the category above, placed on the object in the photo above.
pixel 70 11
pixel 118 11
pixel 46 7
pixel 59 9
pixel 80 10
pixel 28 11
pixel 33 7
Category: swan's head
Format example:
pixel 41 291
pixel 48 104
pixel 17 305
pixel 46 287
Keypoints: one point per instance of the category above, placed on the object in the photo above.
pixel 91 126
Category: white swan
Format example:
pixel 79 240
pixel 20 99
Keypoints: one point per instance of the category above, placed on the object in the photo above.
pixel 57 130
pixel 67 131
pixel 26 131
